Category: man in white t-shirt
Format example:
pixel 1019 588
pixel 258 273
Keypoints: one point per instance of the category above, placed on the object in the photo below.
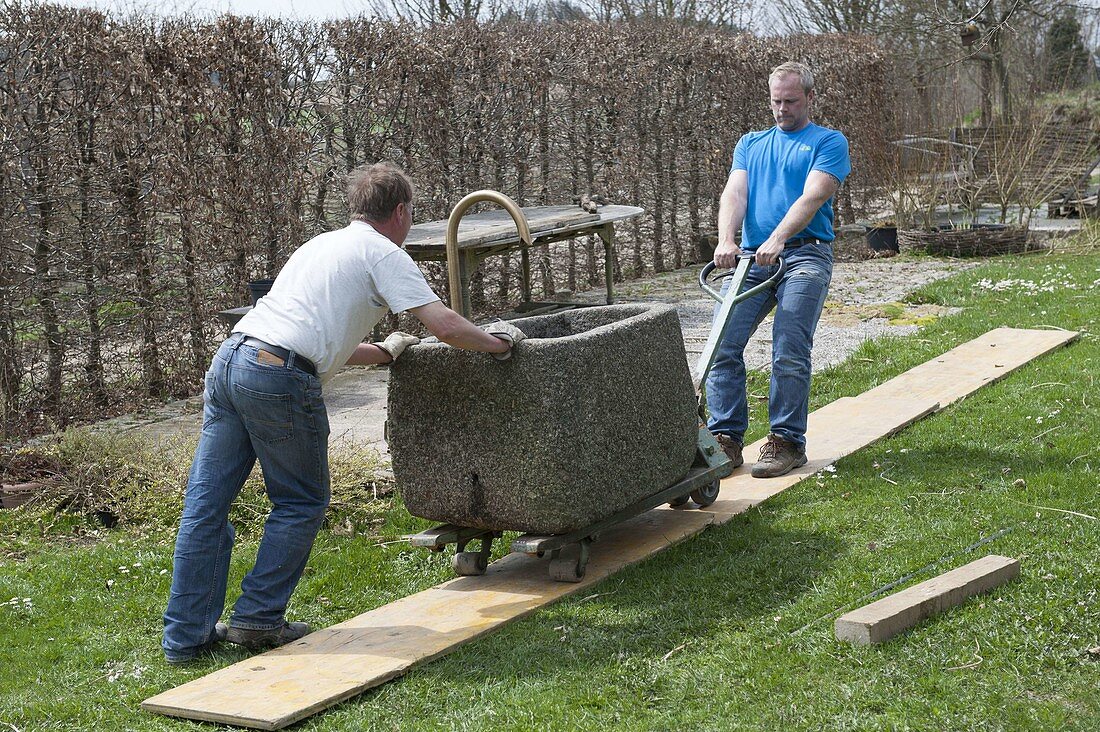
pixel 263 401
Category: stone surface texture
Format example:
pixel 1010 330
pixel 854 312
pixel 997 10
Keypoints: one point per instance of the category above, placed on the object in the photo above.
pixel 594 411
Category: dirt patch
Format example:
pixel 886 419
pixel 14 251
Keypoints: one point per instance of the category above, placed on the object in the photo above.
pixel 894 313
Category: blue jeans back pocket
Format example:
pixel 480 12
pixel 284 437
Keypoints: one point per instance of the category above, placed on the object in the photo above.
pixel 267 416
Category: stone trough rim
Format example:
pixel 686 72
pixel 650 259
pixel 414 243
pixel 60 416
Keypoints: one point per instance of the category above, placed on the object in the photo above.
pixel 643 310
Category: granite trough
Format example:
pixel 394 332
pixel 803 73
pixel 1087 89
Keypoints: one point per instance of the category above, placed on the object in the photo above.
pixel 593 412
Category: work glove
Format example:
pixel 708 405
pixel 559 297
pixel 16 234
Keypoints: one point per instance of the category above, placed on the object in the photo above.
pixel 506 332
pixel 397 342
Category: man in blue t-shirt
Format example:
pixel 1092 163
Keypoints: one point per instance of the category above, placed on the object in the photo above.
pixel 779 195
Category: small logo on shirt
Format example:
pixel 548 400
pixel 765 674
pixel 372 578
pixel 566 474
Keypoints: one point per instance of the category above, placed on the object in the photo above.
pixel 804 148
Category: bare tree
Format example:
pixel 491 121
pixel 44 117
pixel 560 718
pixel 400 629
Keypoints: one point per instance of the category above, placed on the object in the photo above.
pixel 150 167
pixel 832 16
pixel 433 12
pixel 996 46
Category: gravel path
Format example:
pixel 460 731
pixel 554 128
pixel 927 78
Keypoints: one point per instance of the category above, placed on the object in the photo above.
pixel 863 300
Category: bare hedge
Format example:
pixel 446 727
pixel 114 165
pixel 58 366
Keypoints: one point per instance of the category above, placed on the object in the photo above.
pixel 150 169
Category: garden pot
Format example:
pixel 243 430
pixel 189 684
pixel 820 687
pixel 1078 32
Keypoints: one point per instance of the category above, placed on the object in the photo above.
pixel 882 238
pixel 705 244
pixel 259 288
pixel 13 495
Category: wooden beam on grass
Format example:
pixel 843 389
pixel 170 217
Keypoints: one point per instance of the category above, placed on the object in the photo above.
pixel 883 619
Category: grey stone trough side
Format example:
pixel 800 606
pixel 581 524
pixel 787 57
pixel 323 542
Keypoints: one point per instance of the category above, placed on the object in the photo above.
pixel 595 410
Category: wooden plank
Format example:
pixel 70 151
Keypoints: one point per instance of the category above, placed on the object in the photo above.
pixel 885 618
pixel 837 429
pixel 272 690
pixel 280 687
pixel 959 372
pixel 849 424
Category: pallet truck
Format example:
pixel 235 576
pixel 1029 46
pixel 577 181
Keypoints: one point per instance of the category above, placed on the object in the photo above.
pixel 569 551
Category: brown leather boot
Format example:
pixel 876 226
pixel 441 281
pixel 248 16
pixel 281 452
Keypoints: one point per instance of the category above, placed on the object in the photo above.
pixel 732 448
pixel 258 639
pixel 778 457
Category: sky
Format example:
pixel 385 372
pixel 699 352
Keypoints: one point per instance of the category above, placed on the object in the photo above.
pixel 317 9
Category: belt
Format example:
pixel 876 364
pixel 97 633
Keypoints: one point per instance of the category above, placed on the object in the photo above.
pixel 300 362
pixel 803 240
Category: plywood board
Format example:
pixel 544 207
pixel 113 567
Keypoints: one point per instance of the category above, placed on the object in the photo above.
pixel 883 619
pixel 272 690
pixel 835 430
pixel 984 360
pixel 849 424
pixel 277 688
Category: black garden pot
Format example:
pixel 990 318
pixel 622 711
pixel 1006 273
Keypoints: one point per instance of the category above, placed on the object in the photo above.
pixel 259 288
pixel 882 238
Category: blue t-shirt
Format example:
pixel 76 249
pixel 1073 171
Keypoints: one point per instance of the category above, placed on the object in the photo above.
pixel 778 164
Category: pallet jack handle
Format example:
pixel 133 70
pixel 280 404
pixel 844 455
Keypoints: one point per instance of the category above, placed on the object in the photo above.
pixel 722 317
pixel 705 284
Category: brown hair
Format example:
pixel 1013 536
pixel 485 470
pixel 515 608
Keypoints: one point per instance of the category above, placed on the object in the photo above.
pixel 375 190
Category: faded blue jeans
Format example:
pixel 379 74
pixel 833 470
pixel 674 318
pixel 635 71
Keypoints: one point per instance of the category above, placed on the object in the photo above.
pixel 252 411
pixel 797 301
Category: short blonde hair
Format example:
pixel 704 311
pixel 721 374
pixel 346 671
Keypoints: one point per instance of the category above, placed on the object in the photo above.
pixel 375 190
pixel 802 71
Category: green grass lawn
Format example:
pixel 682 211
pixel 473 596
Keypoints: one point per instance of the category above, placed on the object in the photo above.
pixel 729 630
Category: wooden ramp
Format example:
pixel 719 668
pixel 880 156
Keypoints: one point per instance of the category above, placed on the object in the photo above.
pixel 277 688
pixel 280 687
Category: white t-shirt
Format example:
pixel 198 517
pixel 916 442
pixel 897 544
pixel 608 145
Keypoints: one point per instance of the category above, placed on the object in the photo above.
pixel 332 292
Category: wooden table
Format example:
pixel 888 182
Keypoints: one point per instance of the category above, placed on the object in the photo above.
pixel 485 234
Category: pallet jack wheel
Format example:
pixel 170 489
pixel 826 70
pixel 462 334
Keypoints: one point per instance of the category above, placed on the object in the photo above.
pixel 565 570
pixel 677 502
pixel 706 495
pixel 469 564
pixel 568 564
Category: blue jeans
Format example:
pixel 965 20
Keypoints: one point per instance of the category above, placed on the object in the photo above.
pixel 252 411
pixel 798 301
